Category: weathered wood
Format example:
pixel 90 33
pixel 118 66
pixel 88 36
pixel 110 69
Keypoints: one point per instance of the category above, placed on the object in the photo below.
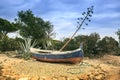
pixel 74 56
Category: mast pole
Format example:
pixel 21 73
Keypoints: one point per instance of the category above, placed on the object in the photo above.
pixel 86 17
pixel 72 35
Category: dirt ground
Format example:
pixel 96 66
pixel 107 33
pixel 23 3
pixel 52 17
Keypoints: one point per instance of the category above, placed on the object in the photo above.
pixel 105 68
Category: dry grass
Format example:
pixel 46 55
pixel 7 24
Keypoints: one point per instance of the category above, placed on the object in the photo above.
pixel 110 59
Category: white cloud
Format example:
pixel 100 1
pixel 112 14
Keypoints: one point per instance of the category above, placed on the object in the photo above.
pixel 107 15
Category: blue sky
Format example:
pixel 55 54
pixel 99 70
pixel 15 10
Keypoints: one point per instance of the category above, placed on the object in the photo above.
pixel 63 14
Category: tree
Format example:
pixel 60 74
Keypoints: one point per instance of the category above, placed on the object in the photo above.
pixel 91 45
pixel 34 27
pixel 72 44
pixel 107 45
pixel 6 27
pixel 118 50
pixel 82 39
pixel 48 41
pixel 118 33
pixel 95 36
pixel 7 43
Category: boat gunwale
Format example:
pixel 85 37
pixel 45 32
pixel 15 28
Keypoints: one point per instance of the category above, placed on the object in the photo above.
pixel 53 52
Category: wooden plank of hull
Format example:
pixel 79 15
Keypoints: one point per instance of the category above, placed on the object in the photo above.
pixel 71 57
pixel 69 60
pixel 74 57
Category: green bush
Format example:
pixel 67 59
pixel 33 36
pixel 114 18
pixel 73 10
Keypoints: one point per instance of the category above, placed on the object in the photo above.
pixel 8 44
pixel 25 46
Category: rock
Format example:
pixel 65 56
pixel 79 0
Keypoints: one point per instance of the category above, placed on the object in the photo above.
pixel 3 70
pixel 61 78
pixel 5 60
pixel 22 75
pixel 99 77
pixel 1 62
pixel 6 78
pixel 83 77
pixel 45 78
pixel 72 78
pixel 26 78
pixel 48 78
pixel 12 77
pixel 0 73
pixel 9 78
pixel 34 78
pixel 2 78
pixel 54 79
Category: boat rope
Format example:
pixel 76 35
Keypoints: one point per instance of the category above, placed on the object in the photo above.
pixel 78 70
pixel 82 65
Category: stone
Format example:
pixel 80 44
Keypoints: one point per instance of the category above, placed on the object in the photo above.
pixel 48 78
pixel 72 78
pixel 61 78
pixel 3 70
pixel 84 77
pixel 45 78
pixel 98 77
pixel 34 78
pixel 26 78
pixel 2 78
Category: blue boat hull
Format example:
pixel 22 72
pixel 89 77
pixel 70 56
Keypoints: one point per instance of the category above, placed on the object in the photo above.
pixel 71 57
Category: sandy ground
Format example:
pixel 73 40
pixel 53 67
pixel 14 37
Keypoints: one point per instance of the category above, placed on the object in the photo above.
pixel 106 68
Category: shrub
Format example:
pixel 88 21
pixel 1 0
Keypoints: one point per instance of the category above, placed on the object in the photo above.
pixel 25 46
pixel 8 44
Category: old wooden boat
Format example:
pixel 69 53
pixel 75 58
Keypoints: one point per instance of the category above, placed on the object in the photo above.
pixel 74 56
